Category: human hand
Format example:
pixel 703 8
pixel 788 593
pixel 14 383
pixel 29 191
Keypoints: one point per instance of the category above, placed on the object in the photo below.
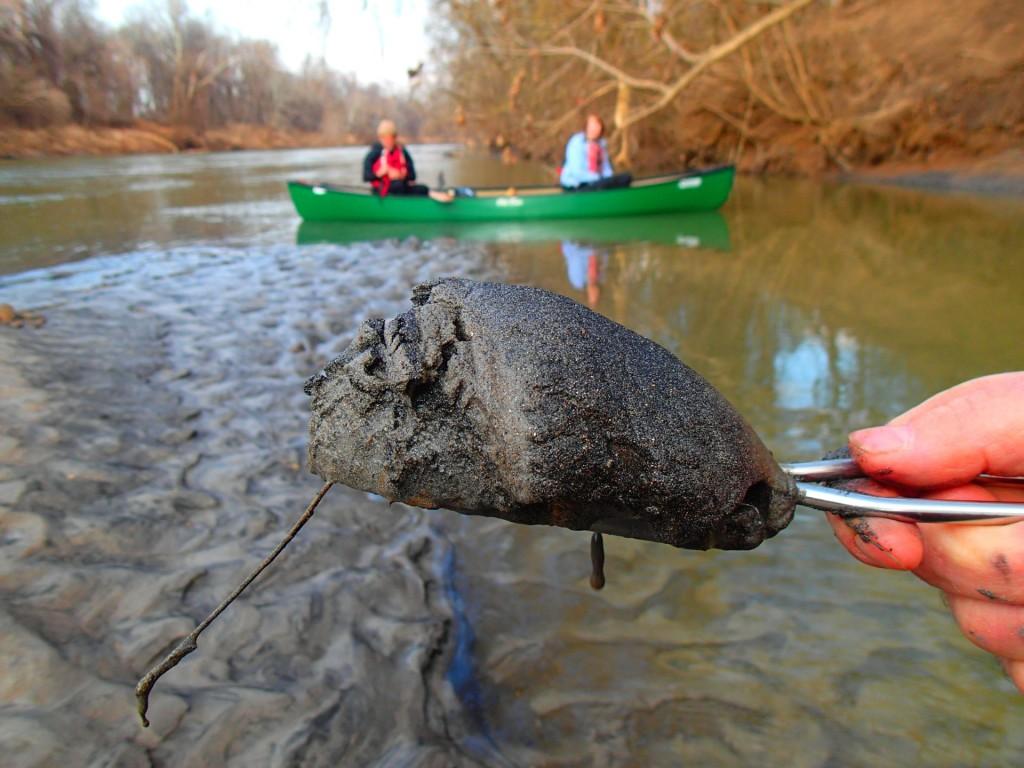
pixel 935 450
pixel 397 173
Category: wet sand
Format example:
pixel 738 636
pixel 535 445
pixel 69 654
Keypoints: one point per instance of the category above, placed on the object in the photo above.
pixel 154 451
pixel 388 636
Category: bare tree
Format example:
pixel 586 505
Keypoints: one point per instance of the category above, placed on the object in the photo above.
pixel 629 54
pixel 58 62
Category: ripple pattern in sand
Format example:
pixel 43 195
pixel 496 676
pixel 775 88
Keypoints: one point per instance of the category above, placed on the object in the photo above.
pixel 154 452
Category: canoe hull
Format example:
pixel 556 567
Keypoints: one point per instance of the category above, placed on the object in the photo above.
pixel 699 191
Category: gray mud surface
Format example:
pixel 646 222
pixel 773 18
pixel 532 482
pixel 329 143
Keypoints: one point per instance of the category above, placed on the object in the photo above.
pixel 153 438
pixel 519 403
pixel 153 451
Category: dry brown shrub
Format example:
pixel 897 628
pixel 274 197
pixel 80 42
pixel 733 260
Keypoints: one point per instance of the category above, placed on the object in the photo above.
pixel 34 103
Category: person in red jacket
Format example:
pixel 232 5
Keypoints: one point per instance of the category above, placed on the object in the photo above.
pixel 389 168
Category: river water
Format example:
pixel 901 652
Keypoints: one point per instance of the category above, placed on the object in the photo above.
pixel 153 444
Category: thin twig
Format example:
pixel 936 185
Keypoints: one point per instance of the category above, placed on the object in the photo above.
pixel 564 31
pixel 745 129
pixel 599 63
pixel 186 646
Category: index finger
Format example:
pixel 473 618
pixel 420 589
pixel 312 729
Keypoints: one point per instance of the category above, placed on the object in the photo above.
pixel 876 541
pixel 951 438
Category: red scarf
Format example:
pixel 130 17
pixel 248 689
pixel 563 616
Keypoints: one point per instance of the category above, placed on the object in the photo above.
pixel 395 159
pixel 593 270
pixel 594 156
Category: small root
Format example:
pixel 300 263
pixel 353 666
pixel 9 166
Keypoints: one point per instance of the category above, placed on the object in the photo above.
pixel 596 561
pixel 190 643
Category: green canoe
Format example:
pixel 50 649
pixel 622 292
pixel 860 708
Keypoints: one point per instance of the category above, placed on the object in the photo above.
pixel 688 192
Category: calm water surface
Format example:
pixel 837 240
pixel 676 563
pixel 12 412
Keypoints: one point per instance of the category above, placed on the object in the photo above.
pixel 815 308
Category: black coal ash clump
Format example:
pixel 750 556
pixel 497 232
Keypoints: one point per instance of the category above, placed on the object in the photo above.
pixel 513 402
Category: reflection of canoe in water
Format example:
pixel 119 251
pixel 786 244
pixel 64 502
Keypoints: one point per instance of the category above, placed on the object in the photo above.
pixel 696 191
pixel 690 230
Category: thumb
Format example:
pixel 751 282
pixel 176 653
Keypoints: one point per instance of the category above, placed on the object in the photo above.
pixel 975 427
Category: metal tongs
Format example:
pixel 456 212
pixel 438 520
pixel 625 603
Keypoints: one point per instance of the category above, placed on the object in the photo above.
pixel 908 510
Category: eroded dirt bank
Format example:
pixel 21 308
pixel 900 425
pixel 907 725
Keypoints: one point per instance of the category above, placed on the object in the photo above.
pixel 146 138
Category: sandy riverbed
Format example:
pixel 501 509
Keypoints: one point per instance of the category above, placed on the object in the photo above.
pixel 152 437
pixel 154 451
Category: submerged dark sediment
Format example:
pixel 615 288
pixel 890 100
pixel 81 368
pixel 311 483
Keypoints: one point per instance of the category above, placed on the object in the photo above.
pixel 522 404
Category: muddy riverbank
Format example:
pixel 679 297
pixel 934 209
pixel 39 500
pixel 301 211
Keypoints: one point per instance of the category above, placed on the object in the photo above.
pixel 1000 174
pixel 154 451
pixel 144 137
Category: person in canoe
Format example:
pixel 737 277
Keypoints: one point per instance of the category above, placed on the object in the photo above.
pixel 587 165
pixel 389 168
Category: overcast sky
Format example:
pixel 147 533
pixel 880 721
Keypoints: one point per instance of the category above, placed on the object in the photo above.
pixel 377 40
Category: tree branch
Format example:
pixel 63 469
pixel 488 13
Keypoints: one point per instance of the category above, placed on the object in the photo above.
pixel 215 73
pixel 717 53
pixel 677 48
pixel 747 34
pixel 664 35
pixel 573 22
pixel 757 92
pixel 604 66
